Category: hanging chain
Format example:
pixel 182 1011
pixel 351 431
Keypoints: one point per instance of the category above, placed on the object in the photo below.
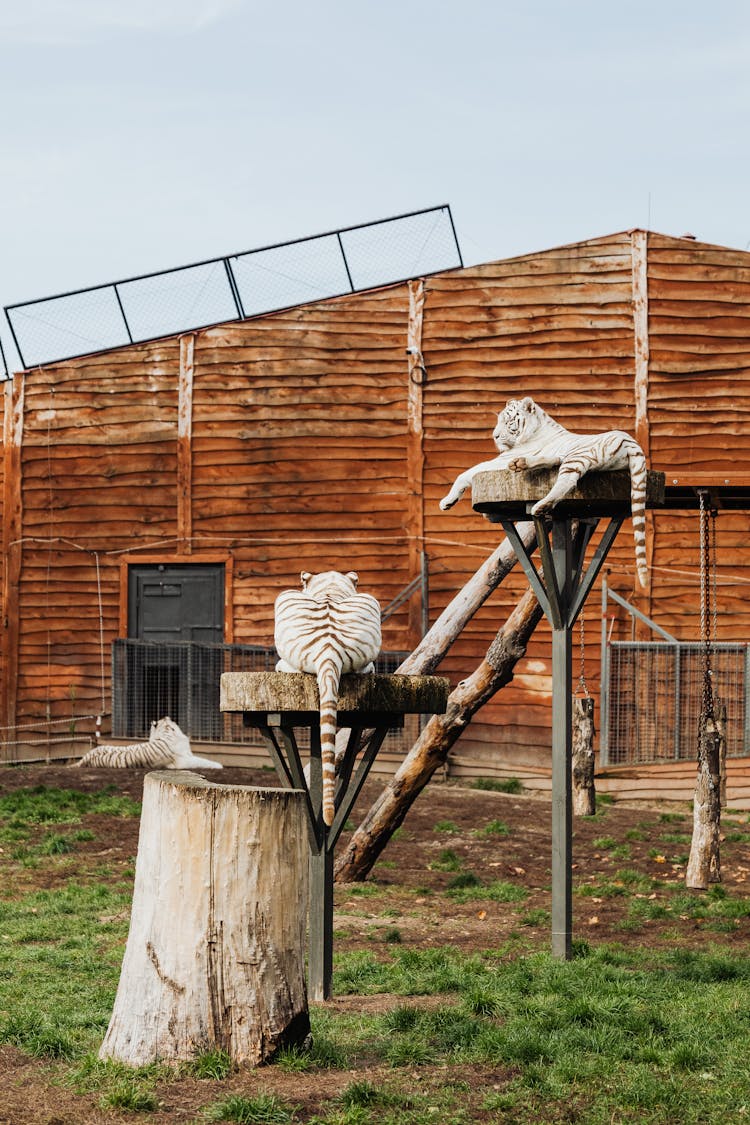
pixel 714 610
pixel 706 605
pixel 582 685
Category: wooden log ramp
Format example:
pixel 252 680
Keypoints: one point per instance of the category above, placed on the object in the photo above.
pixel 215 957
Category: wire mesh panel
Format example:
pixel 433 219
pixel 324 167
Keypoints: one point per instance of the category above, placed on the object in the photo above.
pixel 137 309
pixel 400 248
pixel 71 325
pixel 182 680
pixel 290 275
pixel 164 304
pixel 654 696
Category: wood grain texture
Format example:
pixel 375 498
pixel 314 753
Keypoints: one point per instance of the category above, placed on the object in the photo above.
pixel 215 957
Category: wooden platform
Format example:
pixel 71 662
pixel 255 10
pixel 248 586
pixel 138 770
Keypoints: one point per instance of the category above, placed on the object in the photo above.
pixel 504 494
pixel 363 699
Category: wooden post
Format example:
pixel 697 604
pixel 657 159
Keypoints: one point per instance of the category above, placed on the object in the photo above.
pixel 215 954
pixel 12 550
pixel 584 792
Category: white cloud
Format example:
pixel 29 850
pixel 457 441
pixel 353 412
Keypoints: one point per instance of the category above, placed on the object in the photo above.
pixel 73 22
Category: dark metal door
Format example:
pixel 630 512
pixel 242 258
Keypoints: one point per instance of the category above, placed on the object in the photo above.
pixel 176 602
pixel 179 608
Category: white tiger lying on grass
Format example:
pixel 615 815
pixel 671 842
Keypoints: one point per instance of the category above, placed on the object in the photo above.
pixel 167 749
pixel 327 628
pixel 528 438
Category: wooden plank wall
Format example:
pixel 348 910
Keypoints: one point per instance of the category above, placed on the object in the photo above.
pixel 289 434
pixel 699 406
pixel 554 326
pixel 306 440
pixel 299 452
pixel 98 477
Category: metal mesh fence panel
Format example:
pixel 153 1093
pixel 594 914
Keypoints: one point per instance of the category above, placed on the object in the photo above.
pixel 182 680
pixel 653 699
pixel 137 309
pixel 71 325
pixel 400 248
pixel 290 275
pixel 164 304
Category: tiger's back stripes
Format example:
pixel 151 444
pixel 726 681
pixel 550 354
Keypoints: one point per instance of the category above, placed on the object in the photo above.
pixel 167 748
pixel 327 629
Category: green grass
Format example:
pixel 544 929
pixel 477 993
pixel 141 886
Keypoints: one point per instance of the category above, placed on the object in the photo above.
pixel 448 826
pixel 263 1109
pixel 130 1095
pixel 23 811
pixel 40 805
pixel 472 888
pixel 655 1034
pixel 498 785
pixel 60 955
pixel 613 1035
pixel 447 860
pixel 493 828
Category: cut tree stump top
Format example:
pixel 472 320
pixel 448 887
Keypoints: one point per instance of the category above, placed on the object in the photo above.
pixel 364 700
pixel 504 494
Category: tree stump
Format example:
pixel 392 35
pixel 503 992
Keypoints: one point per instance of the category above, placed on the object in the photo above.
pixel 215 954
pixel 584 792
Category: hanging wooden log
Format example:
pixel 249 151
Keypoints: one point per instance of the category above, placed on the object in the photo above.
pixel 704 864
pixel 434 744
pixel 584 791
pixel 215 954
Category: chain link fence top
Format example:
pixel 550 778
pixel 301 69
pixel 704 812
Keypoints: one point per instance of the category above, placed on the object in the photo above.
pixel 235 287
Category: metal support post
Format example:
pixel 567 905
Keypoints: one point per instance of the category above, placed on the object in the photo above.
pixel 562 588
pixel 562 747
pixel 320 953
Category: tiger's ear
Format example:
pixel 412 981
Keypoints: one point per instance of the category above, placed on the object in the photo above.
pixel 353 575
pixel 528 405
pixel 305 577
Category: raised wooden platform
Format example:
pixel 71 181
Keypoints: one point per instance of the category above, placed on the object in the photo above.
pixel 364 700
pixel 504 494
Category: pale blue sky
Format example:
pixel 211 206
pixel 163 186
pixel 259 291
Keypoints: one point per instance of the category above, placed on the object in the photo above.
pixel 142 134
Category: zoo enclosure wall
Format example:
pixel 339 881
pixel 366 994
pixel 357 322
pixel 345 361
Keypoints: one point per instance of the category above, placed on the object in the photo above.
pixel 310 439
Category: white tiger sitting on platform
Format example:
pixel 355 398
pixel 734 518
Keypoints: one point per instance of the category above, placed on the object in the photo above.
pixel 167 749
pixel 327 629
pixel 528 438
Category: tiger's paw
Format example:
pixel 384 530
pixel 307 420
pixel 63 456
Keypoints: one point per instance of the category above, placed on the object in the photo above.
pixel 449 500
pixel 518 464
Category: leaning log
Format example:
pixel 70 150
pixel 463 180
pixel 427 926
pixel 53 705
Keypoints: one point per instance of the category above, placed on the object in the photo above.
pixel 431 749
pixel 460 610
pixel 215 957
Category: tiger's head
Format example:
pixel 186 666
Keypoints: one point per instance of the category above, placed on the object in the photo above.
pixel 330 584
pixel 168 729
pixel 517 423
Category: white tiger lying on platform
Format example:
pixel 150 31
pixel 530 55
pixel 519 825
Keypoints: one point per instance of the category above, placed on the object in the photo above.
pixel 529 439
pixel 327 628
pixel 167 749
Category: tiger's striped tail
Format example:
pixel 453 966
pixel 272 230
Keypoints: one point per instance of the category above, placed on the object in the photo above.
pixel 638 477
pixel 328 675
